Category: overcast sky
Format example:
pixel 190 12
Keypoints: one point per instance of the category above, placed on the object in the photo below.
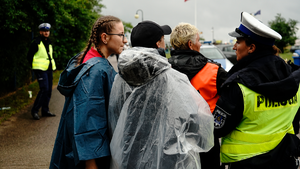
pixel 221 15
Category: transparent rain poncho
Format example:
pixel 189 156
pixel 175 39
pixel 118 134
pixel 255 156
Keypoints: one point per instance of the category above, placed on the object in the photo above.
pixel 157 120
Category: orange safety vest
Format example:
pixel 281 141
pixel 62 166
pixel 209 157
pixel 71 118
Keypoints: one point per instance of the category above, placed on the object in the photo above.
pixel 205 81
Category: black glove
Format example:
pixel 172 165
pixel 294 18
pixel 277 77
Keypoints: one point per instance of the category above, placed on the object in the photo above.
pixel 294 67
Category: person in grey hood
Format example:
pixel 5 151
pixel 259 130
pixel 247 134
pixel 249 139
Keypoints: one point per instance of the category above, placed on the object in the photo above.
pixel 157 119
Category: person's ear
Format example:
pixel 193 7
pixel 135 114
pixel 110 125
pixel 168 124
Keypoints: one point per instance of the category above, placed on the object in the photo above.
pixel 252 48
pixel 190 44
pixel 104 38
pixel 158 44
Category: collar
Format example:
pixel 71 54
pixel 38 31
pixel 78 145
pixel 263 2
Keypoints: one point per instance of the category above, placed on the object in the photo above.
pixel 248 60
pixel 90 54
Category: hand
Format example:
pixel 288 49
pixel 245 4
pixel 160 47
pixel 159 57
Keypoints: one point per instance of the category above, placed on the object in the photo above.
pixel 90 164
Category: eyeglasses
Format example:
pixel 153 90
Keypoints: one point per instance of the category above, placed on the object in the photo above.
pixel 117 34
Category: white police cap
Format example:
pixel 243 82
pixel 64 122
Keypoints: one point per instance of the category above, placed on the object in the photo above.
pixel 45 26
pixel 256 30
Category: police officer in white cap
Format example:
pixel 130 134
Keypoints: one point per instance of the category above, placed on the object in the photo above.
pixel 259 101
pixel 40 58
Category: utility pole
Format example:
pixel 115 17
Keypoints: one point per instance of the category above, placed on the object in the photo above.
pixel 212 30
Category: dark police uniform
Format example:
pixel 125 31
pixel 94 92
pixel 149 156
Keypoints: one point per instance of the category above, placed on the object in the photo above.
pixel 41 60
pixel 276 84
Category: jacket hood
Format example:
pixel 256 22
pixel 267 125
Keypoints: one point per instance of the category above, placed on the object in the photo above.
pixel 266 74
pixel 161 51
pixel 70 77
pixel 188 62
pixel 139 65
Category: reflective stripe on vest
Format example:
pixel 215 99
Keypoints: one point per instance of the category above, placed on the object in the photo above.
pixel 263 126
pixel 41 60
pixel 205 81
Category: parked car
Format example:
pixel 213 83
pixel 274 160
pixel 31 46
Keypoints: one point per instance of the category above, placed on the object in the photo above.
pixel 213 53
pixel 293 48
pixel 228 52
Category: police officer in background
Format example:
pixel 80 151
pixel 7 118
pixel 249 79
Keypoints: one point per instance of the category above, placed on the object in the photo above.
pixel 40 57
pixel 258 103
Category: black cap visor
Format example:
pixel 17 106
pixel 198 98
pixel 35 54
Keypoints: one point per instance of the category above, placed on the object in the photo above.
pixel 167 30
pixel 237 33
pixel 44 29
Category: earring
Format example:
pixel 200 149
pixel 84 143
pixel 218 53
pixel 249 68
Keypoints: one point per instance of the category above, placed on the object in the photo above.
pixel 105 43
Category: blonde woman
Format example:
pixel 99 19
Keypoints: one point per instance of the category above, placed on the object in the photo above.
pixel 205 75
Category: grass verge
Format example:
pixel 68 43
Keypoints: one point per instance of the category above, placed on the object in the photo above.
pixel 19 99
pixel 288 56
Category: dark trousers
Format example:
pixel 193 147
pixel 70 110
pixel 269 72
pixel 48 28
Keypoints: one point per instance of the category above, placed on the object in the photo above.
pixel 211 159
pixel 286 163
pixel 45 79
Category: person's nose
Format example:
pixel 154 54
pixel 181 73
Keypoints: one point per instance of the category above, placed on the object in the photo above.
pixel 234 47
pixel 125 40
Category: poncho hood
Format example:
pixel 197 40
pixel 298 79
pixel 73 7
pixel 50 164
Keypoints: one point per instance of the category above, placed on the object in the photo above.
pixel 139 65
pixel 70 77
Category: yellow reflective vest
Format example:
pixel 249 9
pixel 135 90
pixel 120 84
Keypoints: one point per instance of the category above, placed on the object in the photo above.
pixel 263 126
pixel 41 60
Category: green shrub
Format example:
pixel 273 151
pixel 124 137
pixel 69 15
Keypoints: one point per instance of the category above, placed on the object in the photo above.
pixel 70 21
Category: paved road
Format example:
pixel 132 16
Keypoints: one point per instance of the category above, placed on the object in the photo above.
pixel 26 143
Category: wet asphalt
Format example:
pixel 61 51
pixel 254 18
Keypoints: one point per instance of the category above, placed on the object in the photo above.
pixel 26 143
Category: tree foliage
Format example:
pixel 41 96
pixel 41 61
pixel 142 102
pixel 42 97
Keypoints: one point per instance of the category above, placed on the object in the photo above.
pixel 127 27
pixel 287 29
pixel 70 20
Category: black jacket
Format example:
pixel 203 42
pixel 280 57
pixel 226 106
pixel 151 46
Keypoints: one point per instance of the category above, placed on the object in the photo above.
pixel 270 76
pixel 191 62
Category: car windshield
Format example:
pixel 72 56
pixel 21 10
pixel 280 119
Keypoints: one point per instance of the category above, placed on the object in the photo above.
pixel 211 53
pixel 229 49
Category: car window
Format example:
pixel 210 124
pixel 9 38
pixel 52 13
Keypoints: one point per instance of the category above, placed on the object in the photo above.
pixel 229 49
pixel 211 53
pixel 295 47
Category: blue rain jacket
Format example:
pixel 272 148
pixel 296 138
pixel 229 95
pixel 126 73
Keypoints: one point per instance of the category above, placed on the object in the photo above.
pixel 82 133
